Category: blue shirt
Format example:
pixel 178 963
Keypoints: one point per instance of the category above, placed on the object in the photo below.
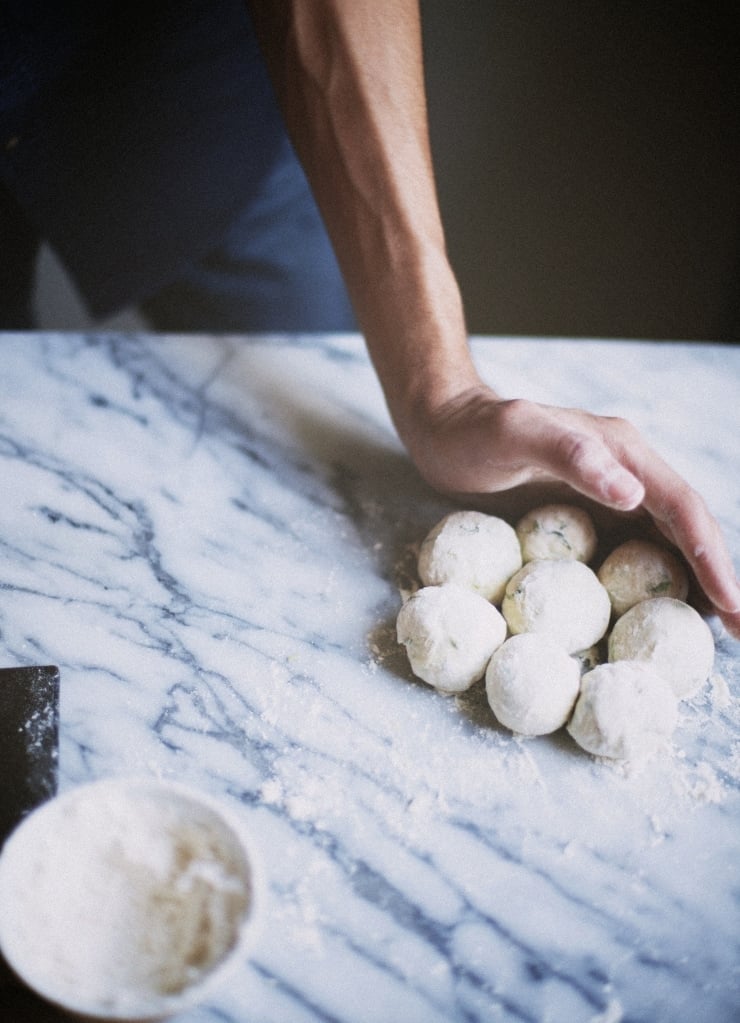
pixel 132 140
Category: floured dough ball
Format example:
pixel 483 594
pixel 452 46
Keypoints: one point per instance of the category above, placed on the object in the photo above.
pixel 449 632
pixel 560 599
pixel 473 549
pixel 638 570
pixel 557 531
pixel 671 637
pixel 532 684
pixel 625 711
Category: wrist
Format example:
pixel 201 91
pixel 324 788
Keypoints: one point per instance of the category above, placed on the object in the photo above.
pixel 414 328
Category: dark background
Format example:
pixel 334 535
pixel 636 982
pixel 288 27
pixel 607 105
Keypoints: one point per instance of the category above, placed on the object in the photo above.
pixel 587 158
pixel 587 164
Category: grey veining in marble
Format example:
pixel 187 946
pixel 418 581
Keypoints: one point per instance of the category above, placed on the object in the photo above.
pixel 209 537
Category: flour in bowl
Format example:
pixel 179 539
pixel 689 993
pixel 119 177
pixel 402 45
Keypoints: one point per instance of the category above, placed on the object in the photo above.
pixel 118 899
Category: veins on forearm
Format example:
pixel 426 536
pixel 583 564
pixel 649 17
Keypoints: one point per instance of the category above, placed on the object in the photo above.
pixel 348 77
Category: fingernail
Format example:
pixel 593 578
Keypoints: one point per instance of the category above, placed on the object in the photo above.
pixel 732 603
pixel 623 489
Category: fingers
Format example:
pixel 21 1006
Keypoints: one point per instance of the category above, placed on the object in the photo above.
pixel 731 621
pixel 683 517
pixel 588 465
pixel 607 460
pixel 568 446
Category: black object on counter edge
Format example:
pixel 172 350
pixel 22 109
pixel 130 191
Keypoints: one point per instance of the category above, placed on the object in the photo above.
pixel 29 740
pixel 29 743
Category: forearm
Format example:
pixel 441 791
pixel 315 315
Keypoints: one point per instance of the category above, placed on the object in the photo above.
pixel 349 80
pixel 348 74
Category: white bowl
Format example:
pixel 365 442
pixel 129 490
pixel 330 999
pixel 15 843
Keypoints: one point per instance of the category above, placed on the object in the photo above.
pixel 127 899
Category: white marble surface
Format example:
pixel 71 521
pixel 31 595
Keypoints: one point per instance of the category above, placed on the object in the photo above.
pixel 208 537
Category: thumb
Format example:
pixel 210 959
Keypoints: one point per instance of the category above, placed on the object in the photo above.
pixel 586 463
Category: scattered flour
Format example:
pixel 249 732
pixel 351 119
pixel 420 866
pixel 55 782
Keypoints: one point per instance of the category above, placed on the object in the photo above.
pixel 720 692
pixel 613 1013
pixel 701 784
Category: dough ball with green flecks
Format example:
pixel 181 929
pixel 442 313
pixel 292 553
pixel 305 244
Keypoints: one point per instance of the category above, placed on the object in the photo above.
pixel 670 636
pixel 450 633
pixel 625 710
pixel 472 549
pixel 557 531
pixel 561 599
pixel 639 570
pixel 532 684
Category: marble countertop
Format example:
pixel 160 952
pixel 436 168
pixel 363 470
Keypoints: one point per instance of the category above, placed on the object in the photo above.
pixel 209 536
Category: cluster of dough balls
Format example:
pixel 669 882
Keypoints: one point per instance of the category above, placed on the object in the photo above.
pixel 520 606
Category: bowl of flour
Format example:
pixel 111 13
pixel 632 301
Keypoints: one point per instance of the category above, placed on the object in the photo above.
pixel 127 898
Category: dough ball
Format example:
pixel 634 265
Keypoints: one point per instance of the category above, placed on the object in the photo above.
pixel 449 632
pixel 625 710
pixel 532 684
pixel 638 570
pixel 671 637
pixel 557 531
pixel 473 549
pixel 561 599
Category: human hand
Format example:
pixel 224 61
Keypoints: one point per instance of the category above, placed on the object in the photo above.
pixel 350 81
pixel 522 452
